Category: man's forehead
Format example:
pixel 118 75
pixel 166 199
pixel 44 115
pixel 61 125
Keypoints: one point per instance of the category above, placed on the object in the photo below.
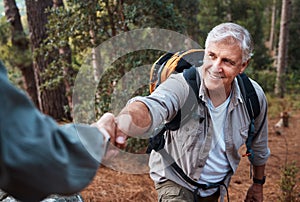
pixel 230 50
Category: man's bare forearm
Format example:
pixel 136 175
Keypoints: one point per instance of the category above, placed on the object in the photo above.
pixel 259 172
pixel 134 119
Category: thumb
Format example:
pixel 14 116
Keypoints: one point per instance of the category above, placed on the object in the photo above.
pixel 120 138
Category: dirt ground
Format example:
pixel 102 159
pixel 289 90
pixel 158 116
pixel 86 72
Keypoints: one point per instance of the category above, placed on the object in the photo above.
pixel 110 185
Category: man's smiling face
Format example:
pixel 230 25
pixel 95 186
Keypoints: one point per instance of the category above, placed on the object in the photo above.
pixel 222 63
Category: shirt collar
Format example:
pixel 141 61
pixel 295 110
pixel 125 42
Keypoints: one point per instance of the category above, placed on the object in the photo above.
pixel 236 95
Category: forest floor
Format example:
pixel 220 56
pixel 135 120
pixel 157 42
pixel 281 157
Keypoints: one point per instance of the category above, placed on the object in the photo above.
pixel 112 186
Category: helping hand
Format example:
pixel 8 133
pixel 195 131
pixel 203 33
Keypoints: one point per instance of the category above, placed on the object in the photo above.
pixel 108 122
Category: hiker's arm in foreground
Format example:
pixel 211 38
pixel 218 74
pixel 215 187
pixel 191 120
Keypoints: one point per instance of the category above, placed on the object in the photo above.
pixel 255 192
pixel 38 157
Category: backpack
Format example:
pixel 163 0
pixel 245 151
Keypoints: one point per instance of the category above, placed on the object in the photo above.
pixel 186 62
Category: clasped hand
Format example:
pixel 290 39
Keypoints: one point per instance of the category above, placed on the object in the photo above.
pixel 109 122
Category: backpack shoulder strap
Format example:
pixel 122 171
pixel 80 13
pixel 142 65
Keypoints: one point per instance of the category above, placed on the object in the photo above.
pixel 192 77
pixel 249 95
pixel 252 103
pixel 184 114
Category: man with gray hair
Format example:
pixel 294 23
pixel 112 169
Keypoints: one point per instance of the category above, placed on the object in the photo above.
pixel 206 148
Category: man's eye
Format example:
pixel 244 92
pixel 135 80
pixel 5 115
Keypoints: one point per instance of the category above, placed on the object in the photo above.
pixel 211 56
pixel 230 62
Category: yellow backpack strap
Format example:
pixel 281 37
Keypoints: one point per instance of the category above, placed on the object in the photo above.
pixel 170 67
pixel 173 63
pixel 156 68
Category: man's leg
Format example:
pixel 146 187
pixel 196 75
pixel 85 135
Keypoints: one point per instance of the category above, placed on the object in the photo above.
pixel 169 191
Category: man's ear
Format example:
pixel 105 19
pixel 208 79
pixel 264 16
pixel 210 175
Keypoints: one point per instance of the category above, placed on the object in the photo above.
pixel 244 66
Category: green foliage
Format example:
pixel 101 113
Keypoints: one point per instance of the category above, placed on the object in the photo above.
pixel 246 13
pixel 83 110
pixel 289 103
pixel 126 78
pixel 15 76
pixel 83 25
pixel 4 31
pixel 294 32
pixel 265 78
pixel 288 182
pixel 136 145
pixel 292 81
pixel 10 55
pixel 292 76
pixel 188 11
pixel 5 43
pixel 153 13
pixel 211 13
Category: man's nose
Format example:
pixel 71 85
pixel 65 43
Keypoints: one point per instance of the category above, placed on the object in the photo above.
pixel 216 65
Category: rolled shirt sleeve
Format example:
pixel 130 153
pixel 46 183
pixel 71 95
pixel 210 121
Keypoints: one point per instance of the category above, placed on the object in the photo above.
pixel 166 100
pixel 260 142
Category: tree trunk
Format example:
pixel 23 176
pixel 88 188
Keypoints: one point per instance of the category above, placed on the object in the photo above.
pixel 65 53
pixel 121 15
pixel 282 49
pixel 95 51
pixel 272 29
pixel 52 101
pixel 21 47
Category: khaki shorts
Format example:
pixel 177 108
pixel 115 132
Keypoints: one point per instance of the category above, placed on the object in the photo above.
pixel 169 191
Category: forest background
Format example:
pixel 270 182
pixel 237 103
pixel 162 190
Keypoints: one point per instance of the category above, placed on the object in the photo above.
pixel 45 43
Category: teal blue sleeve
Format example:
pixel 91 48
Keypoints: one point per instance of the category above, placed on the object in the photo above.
pixel 37 156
